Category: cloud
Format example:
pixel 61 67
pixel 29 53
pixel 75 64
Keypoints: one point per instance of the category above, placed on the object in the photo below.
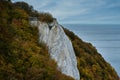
pixel 79 10
pixel 113 5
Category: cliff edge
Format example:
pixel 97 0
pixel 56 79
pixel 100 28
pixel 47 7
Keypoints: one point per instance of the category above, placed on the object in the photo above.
pixel 60 48
pixel 24 57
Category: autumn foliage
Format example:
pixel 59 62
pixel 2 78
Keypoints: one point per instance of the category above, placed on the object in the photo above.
pixel 22 57
pixel 45 17
pixel 91 65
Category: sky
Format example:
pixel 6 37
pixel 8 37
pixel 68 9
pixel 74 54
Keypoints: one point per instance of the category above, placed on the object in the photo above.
pixel 80 11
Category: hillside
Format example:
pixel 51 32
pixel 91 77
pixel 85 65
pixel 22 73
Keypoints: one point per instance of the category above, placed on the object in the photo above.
pixel 22 57
pixel 91 64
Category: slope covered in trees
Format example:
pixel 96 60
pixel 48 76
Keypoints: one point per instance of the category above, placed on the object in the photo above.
pixel 91 65
pixel 23 58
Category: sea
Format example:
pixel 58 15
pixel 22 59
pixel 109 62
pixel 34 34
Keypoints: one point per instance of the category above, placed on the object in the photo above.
pixel 105 37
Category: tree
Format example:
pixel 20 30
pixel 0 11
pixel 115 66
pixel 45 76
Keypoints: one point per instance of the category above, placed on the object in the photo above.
pixel 46 17
pixel 22 5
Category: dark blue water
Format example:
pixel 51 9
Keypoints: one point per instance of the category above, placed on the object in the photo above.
pixel 105 37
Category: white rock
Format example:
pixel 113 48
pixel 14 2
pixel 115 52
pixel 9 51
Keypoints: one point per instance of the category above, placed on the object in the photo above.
pixel 60 48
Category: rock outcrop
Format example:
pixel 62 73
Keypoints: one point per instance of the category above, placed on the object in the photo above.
pixel 60 48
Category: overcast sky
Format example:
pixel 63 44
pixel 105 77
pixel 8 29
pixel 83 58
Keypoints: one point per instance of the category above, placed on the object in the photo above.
pixel 80 11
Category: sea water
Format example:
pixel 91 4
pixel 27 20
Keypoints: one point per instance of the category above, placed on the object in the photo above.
pixel 105 37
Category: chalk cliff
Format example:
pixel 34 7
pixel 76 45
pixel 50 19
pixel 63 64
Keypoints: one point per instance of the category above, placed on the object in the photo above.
pixel 22 57
pixel 60 48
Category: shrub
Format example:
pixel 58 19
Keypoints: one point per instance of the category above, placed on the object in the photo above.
pixel 45 17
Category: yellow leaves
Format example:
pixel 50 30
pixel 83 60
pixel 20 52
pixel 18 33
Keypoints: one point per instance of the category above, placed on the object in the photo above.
pixel 25 22
pixel 35 59
pixel 20 62
pixel 90 63
pixel 20 14
pixel 21 55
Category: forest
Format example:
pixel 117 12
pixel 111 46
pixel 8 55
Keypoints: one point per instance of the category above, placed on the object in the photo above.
pixel 22 57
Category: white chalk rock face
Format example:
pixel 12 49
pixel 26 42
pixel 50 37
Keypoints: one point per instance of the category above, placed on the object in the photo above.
pixel 60 48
